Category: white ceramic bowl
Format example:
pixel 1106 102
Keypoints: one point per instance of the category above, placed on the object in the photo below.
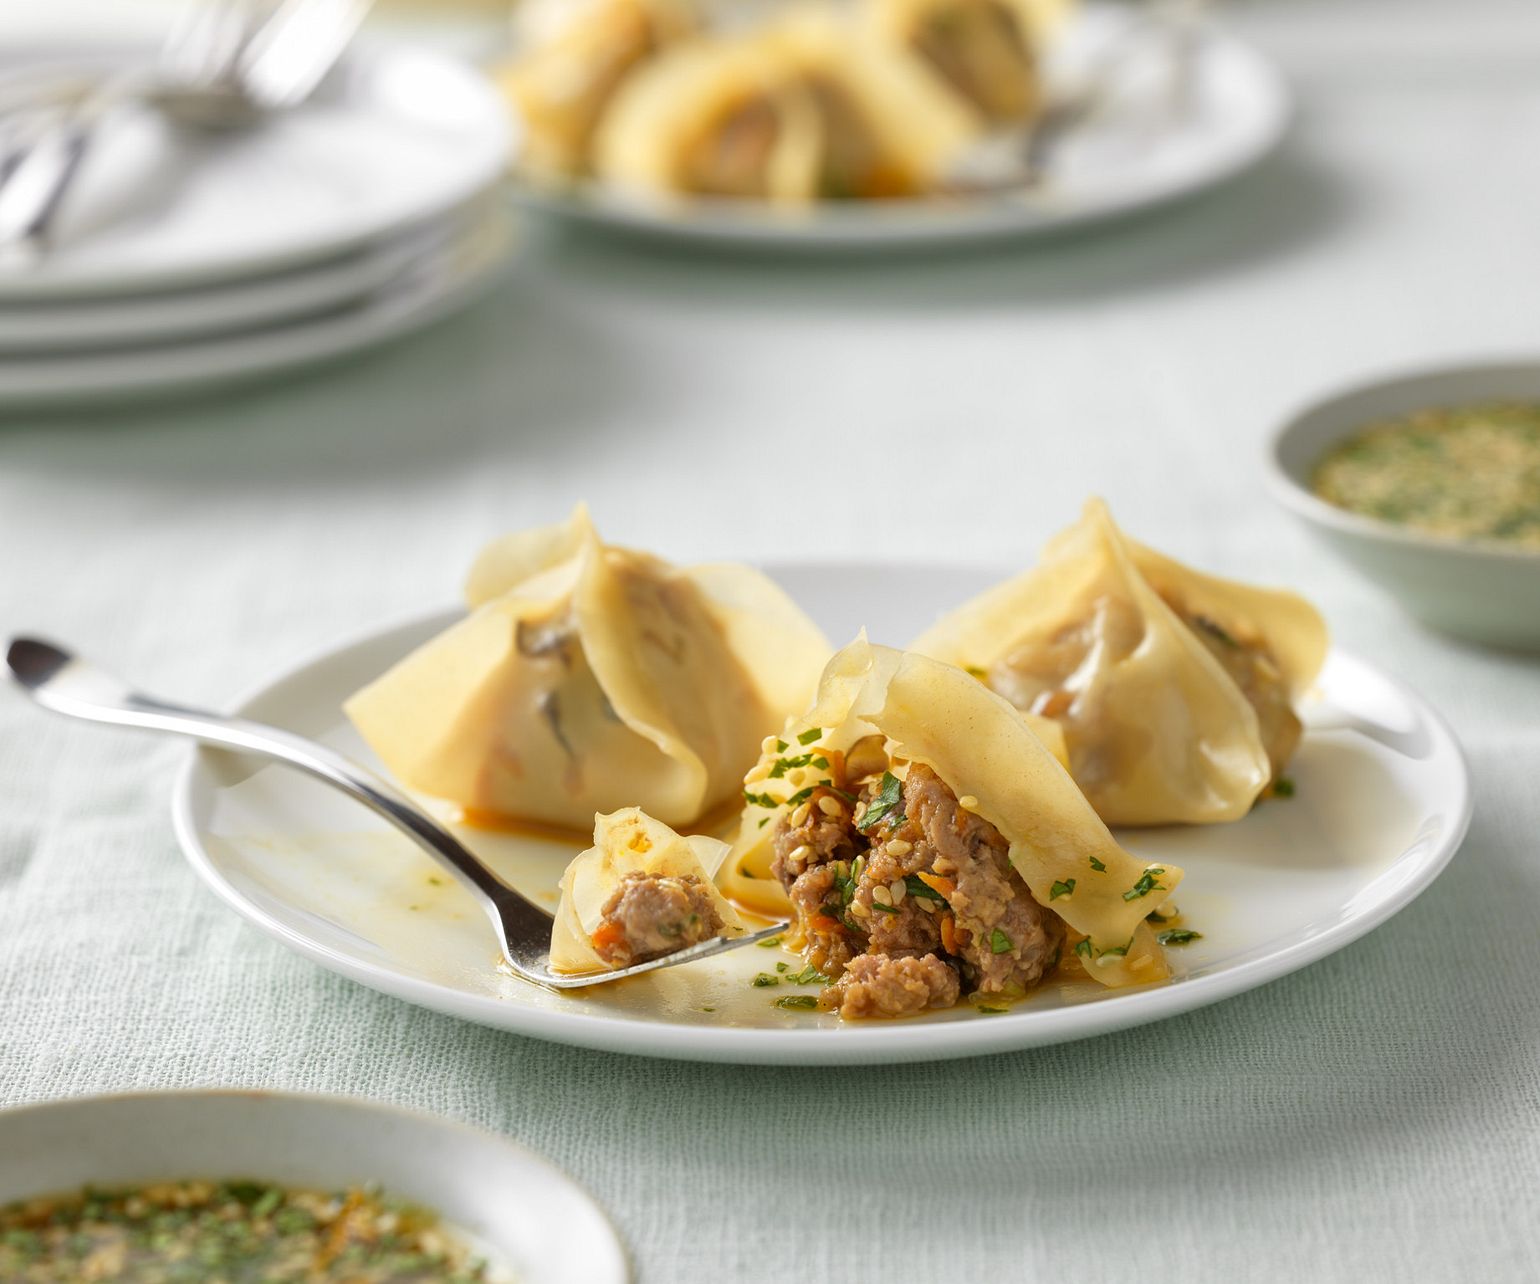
pixel 527 1216
pixel 1482 591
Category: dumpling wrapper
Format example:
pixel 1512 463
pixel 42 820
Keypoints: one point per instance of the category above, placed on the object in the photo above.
pixel 978 744
pixel 903 129
pixel 589 677
pixel 576 54
pixel 628 842
pixel 1158 731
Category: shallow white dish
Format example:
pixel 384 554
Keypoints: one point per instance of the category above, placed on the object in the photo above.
pixel 392 140
pixel 430 287
pixel 1117 164
pixel 1484 591
pixel 526 1215
pixel 133 320
pixel 1383 801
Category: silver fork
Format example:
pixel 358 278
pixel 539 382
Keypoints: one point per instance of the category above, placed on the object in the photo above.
pixel 225 65
pixel 60 681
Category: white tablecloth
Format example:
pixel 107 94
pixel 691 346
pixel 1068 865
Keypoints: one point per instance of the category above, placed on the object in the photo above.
pixel 1372 1118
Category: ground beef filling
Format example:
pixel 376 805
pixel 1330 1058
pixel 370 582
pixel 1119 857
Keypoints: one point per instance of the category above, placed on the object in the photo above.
pixel 918 909
pixel 650 915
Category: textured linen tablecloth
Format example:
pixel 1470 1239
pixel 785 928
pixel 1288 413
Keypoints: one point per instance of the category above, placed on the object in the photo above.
pixel 1373 1117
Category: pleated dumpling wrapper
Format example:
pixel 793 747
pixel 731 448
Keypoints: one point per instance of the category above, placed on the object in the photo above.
pixel 911 711
pixel 589 677
pixel 574 55
pixel 807 108
pixel 987 52
pixel 1175 689
pixel 640 892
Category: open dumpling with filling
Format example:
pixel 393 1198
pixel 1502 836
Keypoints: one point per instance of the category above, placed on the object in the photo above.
pixel 808 108
pixel 639 893
pixel 930 845
pixel 1175 689
pixel 589 677
pixel 988 52
pixel 575 55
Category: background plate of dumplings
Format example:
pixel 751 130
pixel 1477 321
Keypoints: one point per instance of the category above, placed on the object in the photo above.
pixel 1382 801
pixel 1143 146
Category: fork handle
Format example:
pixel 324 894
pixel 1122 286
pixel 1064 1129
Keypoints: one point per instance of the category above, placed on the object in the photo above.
pixel 31 201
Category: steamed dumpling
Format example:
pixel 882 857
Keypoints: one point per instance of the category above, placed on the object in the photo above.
pixel 577 53
pixel 639 893
pixel 985 51
pixel 929 844
pixel 1175 689
pixel 589 677
pixel 806 109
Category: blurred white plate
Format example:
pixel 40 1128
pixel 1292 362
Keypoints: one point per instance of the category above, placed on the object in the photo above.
pixel 392 140
pixel 428 288
pixel 525 1215
pixel 77 325
pixel 1130 158
pixel 1383 800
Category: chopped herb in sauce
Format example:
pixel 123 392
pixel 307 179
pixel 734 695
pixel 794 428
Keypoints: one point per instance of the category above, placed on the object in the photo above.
pixel 1283 787
pixel 979 1007
pixel 811 734
pixel 781 746
pixel 1462 472
pixel 759 800
pixel 198 1231
pixel 1065 888
pixel 1083 947
pixel 1178 936
pixel 806 1001
pixel 885 804
pixel 999 942
pixel 771 942
pixel 1098 866
pixel 809 975
pixel 763 979
pixel 781 967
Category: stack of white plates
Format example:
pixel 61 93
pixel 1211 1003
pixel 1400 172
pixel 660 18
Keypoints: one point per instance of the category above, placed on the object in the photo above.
pixel 184 258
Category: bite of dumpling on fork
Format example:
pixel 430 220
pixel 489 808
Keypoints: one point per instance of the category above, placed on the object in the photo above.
pixel 932 825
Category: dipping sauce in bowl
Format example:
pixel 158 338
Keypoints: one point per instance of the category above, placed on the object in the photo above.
pixel 236 1230
pixel 1463 473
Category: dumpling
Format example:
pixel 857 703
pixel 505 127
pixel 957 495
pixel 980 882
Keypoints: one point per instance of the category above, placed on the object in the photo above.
pixel 929 845
pixel 806 109
pixel 639 893
pixel 589 677
pixel 577 54
pixel 985 51
pixel 1175 689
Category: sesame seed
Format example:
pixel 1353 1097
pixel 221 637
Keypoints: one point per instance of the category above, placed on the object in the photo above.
pixel 881 895
pixel 968 802
pixel 800 853
pixel 800 815
pixel 830 805
pixel 897 891
pixel 898 847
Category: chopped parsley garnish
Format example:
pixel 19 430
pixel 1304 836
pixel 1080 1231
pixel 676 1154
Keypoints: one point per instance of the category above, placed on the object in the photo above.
pixel 763 979
pixel 1083 947
pixel 797 1001
pixel 885 804
pixel 1178 936
pixel 979 1007
pixel 809 975
pixel 999 942
pixel 763 821
pixel 1117 951
pixel 759 800
pixel 919 887
pixel 811 734
pixel 783 765
pixel 781 967
pixel 1098 866
pixel 781 746
pixel 1146 884
pixel 1065 888
pixel 1283 787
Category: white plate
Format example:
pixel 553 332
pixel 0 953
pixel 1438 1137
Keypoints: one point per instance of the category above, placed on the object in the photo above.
pixel 79 325
pixel 392 140
pixel 1383 801
pixel 429 288
pixel 1125 160
pixel 526 1215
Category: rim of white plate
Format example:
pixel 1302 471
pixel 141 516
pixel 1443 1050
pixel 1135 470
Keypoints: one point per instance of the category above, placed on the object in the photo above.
pixel 868 1044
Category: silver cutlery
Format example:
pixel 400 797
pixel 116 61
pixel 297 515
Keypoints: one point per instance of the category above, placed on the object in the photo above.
pixel 226 65
pixel 66 684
